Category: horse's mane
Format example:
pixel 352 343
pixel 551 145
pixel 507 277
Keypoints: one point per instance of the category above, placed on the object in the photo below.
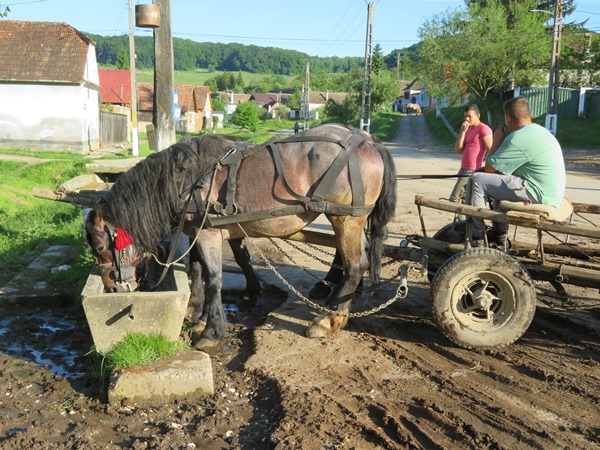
pixel 146 202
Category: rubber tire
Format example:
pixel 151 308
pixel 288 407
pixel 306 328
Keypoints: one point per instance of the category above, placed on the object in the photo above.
pixel 510 289
pixel 453 233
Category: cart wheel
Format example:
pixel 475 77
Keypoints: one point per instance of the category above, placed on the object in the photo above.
pixel 482 299
pixel 454 233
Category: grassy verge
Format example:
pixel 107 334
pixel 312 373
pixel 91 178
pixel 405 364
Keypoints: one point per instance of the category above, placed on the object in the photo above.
pixel 438 129
pixel 384 125
pixel 29 225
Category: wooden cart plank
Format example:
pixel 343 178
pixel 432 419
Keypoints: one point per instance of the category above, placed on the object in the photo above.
pixel 522 219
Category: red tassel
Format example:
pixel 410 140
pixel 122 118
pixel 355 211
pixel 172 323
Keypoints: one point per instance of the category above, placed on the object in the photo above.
pixel 122 239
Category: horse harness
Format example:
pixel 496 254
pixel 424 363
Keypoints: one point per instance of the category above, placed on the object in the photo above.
pixel 227 213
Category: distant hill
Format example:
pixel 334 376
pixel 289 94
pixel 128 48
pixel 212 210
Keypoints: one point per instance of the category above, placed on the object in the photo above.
pixel 190 55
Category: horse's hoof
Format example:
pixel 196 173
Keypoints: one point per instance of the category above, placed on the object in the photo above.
pixel 247 302
pixel 319 328
pixel 320 290
pixel 198 328
pixel 207 345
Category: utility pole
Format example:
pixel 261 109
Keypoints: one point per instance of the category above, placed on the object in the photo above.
pixel 163 120
pixel 135 147
pixel 365 110
pixel 306 98
pixel 554 76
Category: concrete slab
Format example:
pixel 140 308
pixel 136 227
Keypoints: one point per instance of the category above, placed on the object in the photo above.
pixel 112 316
pixel 112 166
pixel 186 374
pixel 32 285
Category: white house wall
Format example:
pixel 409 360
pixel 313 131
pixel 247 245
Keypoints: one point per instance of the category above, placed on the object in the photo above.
pixel 91 67
pixel 49 117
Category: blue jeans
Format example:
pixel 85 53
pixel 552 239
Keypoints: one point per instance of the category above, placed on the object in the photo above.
pixel 485 186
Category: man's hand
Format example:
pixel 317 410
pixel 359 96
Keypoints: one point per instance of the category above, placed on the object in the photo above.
pixel 464 126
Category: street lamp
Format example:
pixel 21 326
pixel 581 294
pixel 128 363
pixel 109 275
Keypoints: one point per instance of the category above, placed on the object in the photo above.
pixel 554 75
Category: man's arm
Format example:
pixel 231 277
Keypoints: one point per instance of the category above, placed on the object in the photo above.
pixel 459 145
pixel 497 139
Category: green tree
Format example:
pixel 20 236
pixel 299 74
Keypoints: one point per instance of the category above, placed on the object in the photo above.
pixel 472 50
pixel 378 64
pixel 346 113
pixel 295 100
pixel 246 115
pixel 282 112
pixel 123 59
pixel 239 82
pixel 218 105
pixel 384 88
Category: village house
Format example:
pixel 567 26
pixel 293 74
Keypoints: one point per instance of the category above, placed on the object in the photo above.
pixel 193 107
pixel 49 86
pixel 271 102
pixel 318 100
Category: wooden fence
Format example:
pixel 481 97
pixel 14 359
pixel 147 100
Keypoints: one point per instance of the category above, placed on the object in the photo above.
pixel 113 128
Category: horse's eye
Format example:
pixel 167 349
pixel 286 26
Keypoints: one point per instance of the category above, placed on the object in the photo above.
pixel 100 248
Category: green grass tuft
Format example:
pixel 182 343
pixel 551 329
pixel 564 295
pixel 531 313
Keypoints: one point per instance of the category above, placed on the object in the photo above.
pixel 138 349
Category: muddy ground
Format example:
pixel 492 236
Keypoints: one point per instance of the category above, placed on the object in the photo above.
pixel 391 380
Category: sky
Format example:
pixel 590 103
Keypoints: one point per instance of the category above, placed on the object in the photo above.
pixel 316 27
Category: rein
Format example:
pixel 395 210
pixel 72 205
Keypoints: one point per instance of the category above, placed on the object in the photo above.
pixel 425 177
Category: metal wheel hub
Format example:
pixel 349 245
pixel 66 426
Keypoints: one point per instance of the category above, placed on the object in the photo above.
pixel 483 300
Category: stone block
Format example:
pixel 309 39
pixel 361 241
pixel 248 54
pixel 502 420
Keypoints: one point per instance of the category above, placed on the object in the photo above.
pixel 186 374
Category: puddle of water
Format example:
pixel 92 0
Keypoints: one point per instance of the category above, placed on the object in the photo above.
pixel 46 340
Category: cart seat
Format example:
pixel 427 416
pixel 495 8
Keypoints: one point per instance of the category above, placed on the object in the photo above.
pixel 548 212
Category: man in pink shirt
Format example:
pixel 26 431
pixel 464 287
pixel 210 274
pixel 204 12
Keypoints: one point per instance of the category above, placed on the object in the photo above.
pixel 473 141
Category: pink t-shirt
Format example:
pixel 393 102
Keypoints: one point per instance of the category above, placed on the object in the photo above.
pixel 473 149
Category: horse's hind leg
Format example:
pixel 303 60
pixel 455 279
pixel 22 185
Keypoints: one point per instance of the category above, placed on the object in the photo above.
pixel 351 245
pixel 253 286
pixel 322 289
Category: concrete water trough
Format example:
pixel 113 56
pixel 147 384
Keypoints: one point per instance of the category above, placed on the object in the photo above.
pixel 112 316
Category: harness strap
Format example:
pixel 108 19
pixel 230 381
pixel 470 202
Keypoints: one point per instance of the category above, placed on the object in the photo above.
pixel 319 207
pixel 279 167
pixel 230 207
pixel 348 149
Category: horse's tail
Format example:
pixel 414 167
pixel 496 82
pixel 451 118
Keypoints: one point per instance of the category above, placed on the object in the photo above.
pixel 382 213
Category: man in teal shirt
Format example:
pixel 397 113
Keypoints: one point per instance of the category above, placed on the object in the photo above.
pixel 526 165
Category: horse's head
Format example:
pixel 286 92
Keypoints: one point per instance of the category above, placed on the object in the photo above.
pixel 117 257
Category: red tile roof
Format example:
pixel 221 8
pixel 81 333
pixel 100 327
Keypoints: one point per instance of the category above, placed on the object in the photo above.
pixel 115 86
pixel 42 52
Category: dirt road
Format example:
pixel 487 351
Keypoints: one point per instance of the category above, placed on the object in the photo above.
pixel 391 380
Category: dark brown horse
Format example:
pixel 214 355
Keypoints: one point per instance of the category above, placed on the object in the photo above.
pixel 275 190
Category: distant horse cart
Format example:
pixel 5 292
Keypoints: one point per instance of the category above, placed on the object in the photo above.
pixel 214 188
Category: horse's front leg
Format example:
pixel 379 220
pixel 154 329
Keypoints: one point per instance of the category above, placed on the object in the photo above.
pixel 210 245
pixel 352 248
pixel 253 286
